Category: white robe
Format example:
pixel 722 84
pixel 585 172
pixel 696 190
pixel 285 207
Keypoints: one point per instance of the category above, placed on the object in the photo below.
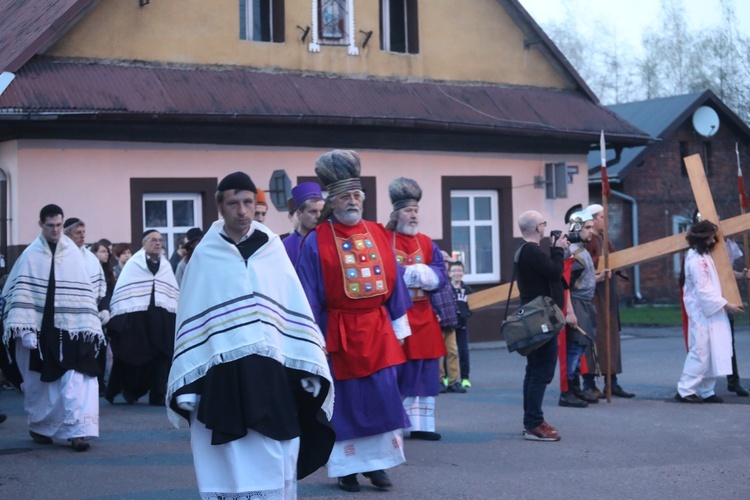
pixel 709 334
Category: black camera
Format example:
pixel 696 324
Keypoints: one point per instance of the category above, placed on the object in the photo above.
pixel 573 236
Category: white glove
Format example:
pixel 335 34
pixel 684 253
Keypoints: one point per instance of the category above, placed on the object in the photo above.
pixel 421 276
pixel 401 327
pixel 187 402
pixel 311 385
pixel 29 340
pixel 104 317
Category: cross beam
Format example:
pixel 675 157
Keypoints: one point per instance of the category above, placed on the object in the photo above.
pixel 659 248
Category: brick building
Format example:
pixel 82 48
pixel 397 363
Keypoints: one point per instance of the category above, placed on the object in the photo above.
pixel 651 187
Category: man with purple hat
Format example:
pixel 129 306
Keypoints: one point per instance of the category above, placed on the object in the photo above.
pixel 309 202
pixel 424 273
pixel 348 270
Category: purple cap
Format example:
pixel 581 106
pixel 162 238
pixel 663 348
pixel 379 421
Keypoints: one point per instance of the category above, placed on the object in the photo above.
pixel 306 191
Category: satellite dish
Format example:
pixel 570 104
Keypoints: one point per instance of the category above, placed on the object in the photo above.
pixel 705 121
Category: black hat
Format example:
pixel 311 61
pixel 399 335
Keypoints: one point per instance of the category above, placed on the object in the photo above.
pixel 237 180
pixel 49 211
pixel 149 231
pixel 193 234
pixel 70 222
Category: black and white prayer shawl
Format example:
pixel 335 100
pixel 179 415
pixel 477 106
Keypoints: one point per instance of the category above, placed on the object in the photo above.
pixel 96 273
pixel 229 310
pixel 132 291
pixel 25 293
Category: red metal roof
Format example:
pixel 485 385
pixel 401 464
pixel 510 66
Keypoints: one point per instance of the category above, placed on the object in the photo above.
pixel 29 26
pixel 211 93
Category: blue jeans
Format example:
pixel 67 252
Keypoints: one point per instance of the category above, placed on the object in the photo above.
pixel 573 356
pixel 540 370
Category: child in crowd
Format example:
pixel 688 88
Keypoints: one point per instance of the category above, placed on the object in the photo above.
pixel 456 274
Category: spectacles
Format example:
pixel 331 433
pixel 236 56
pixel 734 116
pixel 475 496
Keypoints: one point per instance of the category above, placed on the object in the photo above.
pixel 542 224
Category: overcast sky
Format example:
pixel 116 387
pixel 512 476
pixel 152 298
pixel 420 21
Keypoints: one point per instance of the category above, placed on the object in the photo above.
pixel 628 19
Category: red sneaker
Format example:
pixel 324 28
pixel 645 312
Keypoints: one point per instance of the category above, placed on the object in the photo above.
pixel 541 433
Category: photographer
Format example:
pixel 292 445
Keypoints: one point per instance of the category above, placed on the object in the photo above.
pixel 539 274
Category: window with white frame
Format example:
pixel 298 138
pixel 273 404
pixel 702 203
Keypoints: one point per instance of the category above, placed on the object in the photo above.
pixel 399 26
pixel 333 24
pixel 172 214
pixel 680 224
pixel 475 234
pixel 262 20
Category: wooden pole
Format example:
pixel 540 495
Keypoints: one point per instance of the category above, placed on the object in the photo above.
pixel 607 298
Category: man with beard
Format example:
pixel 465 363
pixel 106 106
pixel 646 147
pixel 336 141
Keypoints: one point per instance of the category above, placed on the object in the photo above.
pixel 349 273
pixel 424 272
pixel 596 248
pixel 51 311
pixel 709 338
pixel 309 202
pixel 142 325
pixel 249 373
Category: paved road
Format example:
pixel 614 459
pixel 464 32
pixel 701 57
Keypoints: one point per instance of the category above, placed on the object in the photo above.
pixel 647 447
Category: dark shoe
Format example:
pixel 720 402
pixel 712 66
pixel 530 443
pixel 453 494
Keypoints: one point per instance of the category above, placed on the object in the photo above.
pixel 425 435
pixel 713 399
pixel 79 444
pixel 456 387
pixel 738 389
pixel 3 417
pixel 349 483
pixel 584 395
pixel 129 399
pixel 543 432
pixel 593 395
pixel 569 400
pixel 379 479
pixel 443 389
pixel 691 398
pixel 39 438
pixel 620 392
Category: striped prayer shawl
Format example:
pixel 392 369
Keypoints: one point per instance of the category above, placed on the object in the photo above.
pixel 132 291
pixel 25 292
pixel 230 309
pixel 96 274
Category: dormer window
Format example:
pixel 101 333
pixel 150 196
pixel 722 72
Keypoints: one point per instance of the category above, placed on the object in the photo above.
pixel 399 26
pixel 333 24
pixel 262 20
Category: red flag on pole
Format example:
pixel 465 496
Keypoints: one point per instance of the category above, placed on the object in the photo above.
pixel 744 201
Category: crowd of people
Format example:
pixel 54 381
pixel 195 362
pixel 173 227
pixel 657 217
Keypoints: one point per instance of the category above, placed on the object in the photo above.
pixel 248 335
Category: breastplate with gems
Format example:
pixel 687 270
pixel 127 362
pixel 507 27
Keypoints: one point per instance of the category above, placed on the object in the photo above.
pixel 361 266
pixel 404 259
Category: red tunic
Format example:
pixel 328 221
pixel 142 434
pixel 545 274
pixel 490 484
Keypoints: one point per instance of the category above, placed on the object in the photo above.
pixel 359 273
pixel 426 340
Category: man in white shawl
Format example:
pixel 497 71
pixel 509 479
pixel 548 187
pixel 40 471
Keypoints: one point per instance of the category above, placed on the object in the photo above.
pixel 142 324
pixel 51 313
pixel 709 338
pixel 249 371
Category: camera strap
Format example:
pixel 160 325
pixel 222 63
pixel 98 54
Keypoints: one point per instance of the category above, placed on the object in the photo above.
pixel 516 257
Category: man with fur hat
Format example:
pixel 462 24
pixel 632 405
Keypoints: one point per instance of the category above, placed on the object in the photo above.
pixel 141 327
pixel 308 201
pixel 709 337
pixel 582 314
pixel 595 247
pixel 249 372
pixel 349 272
pixel 424 272
pixel 51 312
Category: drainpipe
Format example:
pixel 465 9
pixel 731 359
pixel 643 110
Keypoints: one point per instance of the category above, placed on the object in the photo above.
pixel 634 213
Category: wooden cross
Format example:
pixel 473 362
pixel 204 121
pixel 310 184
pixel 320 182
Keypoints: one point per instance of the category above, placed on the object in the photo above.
pixel 665 246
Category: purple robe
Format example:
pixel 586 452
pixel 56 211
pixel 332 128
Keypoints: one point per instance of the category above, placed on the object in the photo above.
pixel 293 243
pixel 365 406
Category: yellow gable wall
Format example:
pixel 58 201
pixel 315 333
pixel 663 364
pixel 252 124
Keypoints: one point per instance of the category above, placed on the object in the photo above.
pixel 476 42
